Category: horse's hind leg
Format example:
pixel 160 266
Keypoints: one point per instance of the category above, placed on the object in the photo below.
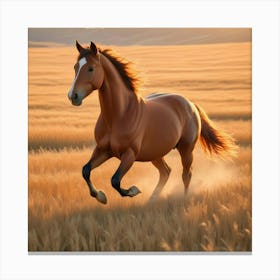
pixel 164 171
pixel 186 153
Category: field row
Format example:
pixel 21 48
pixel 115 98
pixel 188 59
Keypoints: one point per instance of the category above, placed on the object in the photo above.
pixel 212 222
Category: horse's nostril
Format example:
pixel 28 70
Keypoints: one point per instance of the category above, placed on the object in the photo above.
pixel 75 96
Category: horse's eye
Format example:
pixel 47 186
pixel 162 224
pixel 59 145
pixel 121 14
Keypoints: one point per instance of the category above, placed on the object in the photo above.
pixel 90 69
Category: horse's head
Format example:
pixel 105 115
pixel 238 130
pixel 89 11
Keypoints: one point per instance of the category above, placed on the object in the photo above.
pixel 89 74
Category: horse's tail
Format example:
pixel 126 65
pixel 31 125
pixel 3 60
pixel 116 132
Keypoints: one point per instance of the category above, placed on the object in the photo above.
pixel 215 140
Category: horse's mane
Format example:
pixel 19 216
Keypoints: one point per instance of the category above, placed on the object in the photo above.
pixel 128 76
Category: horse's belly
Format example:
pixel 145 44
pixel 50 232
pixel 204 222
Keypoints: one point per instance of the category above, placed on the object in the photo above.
pixel 150 155
pixel 158 142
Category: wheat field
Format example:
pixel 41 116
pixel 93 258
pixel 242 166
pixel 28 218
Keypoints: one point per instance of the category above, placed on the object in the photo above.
pixel 61 214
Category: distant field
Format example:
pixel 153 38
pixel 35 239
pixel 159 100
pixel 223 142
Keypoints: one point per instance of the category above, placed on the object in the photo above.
pixel 62 215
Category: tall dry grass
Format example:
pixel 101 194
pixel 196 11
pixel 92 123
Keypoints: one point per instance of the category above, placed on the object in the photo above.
pixel 62 215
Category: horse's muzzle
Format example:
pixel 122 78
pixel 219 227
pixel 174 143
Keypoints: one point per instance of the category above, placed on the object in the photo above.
pixel 76 99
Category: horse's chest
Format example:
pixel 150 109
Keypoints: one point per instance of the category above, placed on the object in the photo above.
pixel 116 143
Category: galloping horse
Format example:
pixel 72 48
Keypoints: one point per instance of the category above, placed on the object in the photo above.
pixel 135 129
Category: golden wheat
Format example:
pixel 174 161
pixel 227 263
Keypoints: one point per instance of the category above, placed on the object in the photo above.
pixel 63 216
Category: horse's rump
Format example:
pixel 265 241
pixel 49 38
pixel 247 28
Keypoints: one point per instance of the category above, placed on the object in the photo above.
pixel 167 118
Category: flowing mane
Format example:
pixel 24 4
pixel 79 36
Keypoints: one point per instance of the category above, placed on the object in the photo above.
pixel 128 76
pixel 123 67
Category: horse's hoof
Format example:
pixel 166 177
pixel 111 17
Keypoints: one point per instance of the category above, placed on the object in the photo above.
pixel 101 197
pixel 132 191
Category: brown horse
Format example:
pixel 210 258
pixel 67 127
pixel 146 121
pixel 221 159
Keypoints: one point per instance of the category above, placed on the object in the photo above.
pixel 135 129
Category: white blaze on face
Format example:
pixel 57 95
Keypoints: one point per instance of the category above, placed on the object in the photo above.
pixel 82 62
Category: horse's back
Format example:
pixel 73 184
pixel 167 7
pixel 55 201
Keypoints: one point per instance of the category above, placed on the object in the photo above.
pixel 155 95
pixel 173 101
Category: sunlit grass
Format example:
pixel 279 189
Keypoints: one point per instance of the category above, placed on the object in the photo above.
pixel 62 214
pixel 215 220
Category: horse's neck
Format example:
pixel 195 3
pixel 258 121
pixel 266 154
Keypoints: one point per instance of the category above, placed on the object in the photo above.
pixel 114 96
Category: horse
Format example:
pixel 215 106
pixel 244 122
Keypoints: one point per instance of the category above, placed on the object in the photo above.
pixel 132 128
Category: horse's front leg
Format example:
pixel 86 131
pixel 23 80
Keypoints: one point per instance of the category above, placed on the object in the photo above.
pixel 98 157
pixel 127 160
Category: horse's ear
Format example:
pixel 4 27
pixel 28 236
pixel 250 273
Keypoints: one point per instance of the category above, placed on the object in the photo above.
pixel 93 48
pixel 78 46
